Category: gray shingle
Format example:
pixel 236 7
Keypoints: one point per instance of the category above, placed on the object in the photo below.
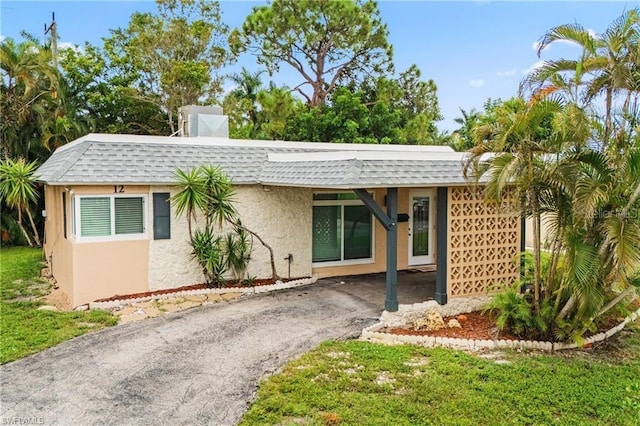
pixel 124 161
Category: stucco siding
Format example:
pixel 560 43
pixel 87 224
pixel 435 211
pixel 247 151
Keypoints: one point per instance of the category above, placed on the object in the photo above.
pixel 170 262
pixel 279 215
pixel 282 217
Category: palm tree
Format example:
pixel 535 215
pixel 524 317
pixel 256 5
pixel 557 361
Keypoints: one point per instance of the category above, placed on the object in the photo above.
pixel 610 59
pixel 30 88
pixel 510 152
pixel 18 191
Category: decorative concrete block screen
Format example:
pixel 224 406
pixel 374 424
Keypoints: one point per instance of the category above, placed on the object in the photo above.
pixel 484 240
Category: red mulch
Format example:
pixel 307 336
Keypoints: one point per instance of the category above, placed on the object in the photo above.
pixel 230 285
pixel 477 326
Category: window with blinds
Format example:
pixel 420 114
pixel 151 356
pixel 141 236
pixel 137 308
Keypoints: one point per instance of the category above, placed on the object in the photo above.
pixel 110 216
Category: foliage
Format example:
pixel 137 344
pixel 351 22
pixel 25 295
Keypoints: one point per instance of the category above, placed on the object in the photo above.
pixel 208 190
pixel 311 37
pixel 364 383
pixel 608 65
pixel 107 96
pixel 380 111
pixel 209 251
pixel 25 329
pixel 579 171
pixel 39 115
pixel 18 192
pixel 168 59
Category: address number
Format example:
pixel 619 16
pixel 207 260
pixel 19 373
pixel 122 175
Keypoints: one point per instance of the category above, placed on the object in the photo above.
pixel 118 189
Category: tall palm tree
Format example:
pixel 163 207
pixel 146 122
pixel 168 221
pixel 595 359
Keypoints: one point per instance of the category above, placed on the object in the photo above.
pixel 18 191
pixel 608 65
pixel 510 152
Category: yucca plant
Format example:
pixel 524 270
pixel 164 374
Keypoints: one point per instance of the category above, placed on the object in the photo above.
pixel 208 250
pixel 18 191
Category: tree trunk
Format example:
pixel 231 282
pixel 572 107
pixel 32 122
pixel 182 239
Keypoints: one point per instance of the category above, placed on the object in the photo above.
pixel 536 249
pixel 274 274
pixel 24 231
pixel 627 292
pixel 607 120
pixel 33 228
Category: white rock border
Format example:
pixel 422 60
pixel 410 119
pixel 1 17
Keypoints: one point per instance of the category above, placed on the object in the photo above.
pixel 392 319
pixel 279 285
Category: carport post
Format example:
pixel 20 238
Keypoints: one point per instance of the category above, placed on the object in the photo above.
pixel 391 302
pixel 390 222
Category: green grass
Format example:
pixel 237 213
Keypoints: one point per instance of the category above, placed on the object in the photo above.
pixel 357 383
pixel 24 329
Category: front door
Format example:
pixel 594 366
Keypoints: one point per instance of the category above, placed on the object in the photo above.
pixel 421 227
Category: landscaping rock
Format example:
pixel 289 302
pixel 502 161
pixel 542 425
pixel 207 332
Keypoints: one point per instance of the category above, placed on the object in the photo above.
pixel 48 308
pixel 132 318
pixel 127 310
pixel 188 304
pixel 230 296
pixel 214 298
pixel 169 307
pixel 453 323
pixel 431 321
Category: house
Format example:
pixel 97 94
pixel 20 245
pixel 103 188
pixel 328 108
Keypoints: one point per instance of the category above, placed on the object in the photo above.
pixel 337 209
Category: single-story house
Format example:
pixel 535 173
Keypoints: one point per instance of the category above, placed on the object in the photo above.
pixel 337 209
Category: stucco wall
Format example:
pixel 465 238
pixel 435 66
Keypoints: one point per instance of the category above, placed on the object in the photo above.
pixel 280 215
pixel 170 263
pixel 58 249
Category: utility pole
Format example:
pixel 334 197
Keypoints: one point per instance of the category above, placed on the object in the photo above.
pixel 53 30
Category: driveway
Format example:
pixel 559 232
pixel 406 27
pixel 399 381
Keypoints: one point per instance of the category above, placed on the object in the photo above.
pixel 196 367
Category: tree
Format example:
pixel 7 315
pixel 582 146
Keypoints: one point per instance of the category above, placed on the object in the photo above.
pixel 169 59
pixel 327 42
pixel 30 89
pixel 608 65
pixel 18 191
pixel 100 91
pixel 519 138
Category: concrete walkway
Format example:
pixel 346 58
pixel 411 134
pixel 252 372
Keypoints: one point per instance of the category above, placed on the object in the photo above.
pixel 200 366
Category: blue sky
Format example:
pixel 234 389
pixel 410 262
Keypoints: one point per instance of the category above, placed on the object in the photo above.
pixel 473 50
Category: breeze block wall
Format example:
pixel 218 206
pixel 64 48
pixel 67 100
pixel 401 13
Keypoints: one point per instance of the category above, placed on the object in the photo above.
pixel 483 242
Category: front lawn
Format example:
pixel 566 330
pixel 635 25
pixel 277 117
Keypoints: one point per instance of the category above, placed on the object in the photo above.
pixel 24 329
pixel 356 383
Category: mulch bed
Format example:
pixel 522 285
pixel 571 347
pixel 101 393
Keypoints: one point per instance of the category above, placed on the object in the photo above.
pixel 477 326
pixel 231 285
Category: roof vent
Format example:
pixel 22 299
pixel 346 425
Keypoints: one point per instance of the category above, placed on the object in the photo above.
pixel 206 121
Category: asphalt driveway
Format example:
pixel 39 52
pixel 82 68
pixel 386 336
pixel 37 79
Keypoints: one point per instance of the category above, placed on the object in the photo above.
pixel 196 367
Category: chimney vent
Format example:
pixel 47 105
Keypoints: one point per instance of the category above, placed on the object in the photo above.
pixel 207 121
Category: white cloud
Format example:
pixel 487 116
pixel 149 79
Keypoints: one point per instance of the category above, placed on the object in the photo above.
pixel 533 67
pixel 507 73
pixel 476 83
pixel 69 45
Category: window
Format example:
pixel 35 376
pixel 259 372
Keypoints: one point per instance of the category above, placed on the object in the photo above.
pixel 161 216
pixel 110 217
pixel 342 228
pixel 64 214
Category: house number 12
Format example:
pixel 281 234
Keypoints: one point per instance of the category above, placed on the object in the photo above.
pixel 118 189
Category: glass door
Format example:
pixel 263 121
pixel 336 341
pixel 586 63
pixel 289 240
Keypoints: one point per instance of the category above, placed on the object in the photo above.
pixel 421 227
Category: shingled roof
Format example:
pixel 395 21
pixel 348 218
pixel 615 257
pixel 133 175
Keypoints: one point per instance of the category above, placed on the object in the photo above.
pixel 128 159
